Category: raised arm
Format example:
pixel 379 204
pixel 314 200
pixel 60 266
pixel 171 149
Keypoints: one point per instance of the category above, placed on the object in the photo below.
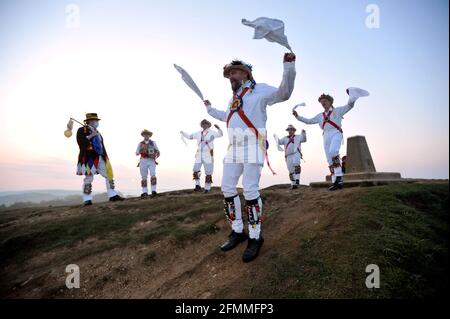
pixel 341 110
pixel 219 132
pixel 303 136
pixel 284 91
pixel 217 114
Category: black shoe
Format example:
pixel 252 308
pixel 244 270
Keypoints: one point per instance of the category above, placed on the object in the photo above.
pixel 294 187
pixel 144 195
pixel 252 250
pixel 197 188
pixel 116 198
pixel 338 184
pixel 88 203
pixel 154 193
pixel 234 239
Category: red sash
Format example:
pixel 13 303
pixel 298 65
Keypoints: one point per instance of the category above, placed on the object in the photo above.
pixel 326 119
pixel 291 140
pixel 236 107
pixel 237 103
pixel 206 142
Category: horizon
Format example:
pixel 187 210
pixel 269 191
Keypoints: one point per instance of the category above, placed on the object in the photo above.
pixel 118 62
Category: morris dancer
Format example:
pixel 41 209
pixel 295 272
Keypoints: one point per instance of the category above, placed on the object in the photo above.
pixel 205 153
pixel 330 122
pixel 149 152
pixel 293 153
pixel 246 122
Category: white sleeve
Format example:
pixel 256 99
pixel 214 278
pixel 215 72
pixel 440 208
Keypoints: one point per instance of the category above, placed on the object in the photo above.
pixel 186 135
pixel 284 91
pixel 303 137
pixel 218 115
pixel 315 120
pixel 219 133
pixel 341 110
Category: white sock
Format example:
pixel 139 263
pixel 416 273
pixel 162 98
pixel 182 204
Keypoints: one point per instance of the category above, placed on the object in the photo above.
pixel 237 225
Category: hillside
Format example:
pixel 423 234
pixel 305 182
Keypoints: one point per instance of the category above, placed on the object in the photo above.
pixel 318 244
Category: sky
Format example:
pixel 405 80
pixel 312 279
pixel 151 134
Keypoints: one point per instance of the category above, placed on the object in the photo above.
pixel 116 59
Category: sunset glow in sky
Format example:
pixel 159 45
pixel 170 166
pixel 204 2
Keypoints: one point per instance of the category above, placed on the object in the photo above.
pixel 118 62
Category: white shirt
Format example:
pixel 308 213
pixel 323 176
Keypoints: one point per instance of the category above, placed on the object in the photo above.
pixel 254 106
pixel 294 147
pixel 205 139
pixel 336 117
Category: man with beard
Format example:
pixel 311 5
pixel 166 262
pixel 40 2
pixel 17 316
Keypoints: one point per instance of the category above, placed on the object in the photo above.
pixel 246 119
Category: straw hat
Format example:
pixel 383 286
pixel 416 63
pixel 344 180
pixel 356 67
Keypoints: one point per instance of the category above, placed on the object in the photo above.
pixel 146 132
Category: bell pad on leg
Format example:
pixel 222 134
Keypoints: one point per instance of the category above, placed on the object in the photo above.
pixel 229 208
pixel 253 211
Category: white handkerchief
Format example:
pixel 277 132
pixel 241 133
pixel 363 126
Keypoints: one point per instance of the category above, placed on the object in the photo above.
pixel 299 105
pixel 270 29
pixel 189 81
pixel 184 141
pixel 355 93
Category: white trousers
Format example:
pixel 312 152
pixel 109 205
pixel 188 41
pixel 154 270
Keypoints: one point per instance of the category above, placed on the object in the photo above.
pixel 251 174
pixel 88 179
pixel 206 160
pixel 332 141
pixel 146 165
pixel 292 161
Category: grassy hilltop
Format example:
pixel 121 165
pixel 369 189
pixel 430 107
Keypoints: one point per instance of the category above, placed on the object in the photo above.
pixel 318 244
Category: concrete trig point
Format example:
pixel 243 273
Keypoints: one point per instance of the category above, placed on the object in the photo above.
pixel 359 167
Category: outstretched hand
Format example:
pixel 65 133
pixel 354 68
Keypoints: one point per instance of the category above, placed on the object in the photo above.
pixel 217 126
pixel 207 103
pixel 295 113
